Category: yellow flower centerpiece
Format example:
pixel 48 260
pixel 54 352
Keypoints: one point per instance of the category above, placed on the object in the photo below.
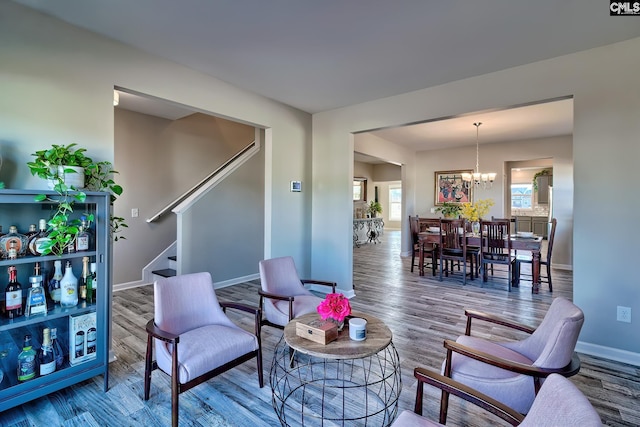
pixel 474 211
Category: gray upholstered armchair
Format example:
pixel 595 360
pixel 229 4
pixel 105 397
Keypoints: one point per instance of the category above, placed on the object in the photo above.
pixel 559 403
pixel 512 372
pixel 283 295
pixel 189 318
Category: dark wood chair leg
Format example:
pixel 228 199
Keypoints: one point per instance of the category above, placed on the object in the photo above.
pixel 549 277
pixel 260 376
pixel 147 367
pixel 413 258
pixel 175 387
pixel 444 400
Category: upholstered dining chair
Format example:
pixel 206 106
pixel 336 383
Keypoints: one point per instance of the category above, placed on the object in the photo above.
pixel 527 258
pixel 496 247
pixel 512 371
pixel 559 403
pixel 429 250
pixel 283 295
pixel 188 317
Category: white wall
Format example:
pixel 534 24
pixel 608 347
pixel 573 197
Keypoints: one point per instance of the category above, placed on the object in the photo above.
pixel 57 87
pixel 606 129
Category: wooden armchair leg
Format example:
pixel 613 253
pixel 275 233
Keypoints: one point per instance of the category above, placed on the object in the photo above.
pixel 175 387
pixel 148 361
pixel 260 376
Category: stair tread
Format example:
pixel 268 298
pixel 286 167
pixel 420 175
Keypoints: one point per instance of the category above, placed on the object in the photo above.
pixel 165 272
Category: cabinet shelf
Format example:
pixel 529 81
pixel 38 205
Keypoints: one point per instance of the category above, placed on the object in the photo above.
pixel 30 259
pixel 19 208
pixel 53 313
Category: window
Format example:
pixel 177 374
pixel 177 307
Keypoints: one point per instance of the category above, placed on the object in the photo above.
pixel 395 203
pixel 521 196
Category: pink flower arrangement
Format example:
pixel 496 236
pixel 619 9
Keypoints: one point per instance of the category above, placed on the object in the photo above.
pixel 334 306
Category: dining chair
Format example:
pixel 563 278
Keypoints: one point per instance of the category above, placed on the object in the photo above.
pixel 512 371
pixel 527 258
pixel 559 403
pixel 496 248
pixel 453 247
pixel 283 295
pixel 188 317
pixel 429 250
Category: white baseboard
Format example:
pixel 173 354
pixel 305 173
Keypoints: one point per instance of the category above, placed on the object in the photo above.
pixel 217 285
pixel 129 285
pixel 235 281
pixel 610 353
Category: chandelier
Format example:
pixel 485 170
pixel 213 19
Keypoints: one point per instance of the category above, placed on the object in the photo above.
pixel 484 179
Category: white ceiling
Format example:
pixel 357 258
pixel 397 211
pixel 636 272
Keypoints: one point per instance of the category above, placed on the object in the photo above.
pixel 320 55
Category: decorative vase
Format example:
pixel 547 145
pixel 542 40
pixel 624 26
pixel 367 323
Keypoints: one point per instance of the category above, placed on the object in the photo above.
pixel 75 179
pixel 475 227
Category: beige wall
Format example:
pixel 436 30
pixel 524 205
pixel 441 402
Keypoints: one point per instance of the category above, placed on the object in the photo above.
pixel 159 160
pixel 57 86
pixel 605 144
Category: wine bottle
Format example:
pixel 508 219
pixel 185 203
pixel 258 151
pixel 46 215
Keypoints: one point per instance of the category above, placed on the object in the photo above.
pixel 68 288
pixel 58 355
pixel 54 282
pixel 36 299
pixel 27 361
pixel 37 240
pixel 13 295
pixel 46 358
pixel 94 281
pixel 90 283
pixel 85 281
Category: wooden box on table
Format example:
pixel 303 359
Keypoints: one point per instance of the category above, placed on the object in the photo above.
pixel 318 330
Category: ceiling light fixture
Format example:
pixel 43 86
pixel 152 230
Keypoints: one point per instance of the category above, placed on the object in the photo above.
pixel 485 179
pixel 116 98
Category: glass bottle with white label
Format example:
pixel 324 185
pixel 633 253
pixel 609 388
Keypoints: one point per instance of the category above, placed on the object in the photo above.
pixel 36 298
pixel 13 295
pixel 46 358
pixel 54 282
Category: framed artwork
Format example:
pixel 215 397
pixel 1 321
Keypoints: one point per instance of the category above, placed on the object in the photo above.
pixel 451 188
pixel 296 186
pixel 359 189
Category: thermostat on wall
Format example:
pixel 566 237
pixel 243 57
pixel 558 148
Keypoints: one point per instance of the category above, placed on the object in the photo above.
pixel 296 186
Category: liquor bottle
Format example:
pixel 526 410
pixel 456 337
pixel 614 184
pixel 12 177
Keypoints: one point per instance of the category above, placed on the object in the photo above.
pixel 91 284
pixel 79 349
pixel 13 251
pixel 68 288
pixel 85 281
pixel 13 236
pixel 27 361
pixel 91 340
pixel 58 355
pixel 36 299
pixel 36 241
pixel 83 240
pixel 54 282
pixel 32 231
pixel 13 295
pixel 46 358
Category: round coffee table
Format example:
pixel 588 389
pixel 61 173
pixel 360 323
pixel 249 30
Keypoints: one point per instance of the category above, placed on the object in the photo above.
pixel 344 382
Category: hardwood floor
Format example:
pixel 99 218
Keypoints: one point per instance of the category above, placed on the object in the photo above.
pixel 420 311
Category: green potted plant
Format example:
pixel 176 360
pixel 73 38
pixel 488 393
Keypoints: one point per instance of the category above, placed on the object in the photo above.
pixel 56 165
pixel 374 208
pixel 64 163
pixel 449 209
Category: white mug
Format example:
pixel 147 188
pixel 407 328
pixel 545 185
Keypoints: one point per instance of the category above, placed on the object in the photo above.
pixel 357 329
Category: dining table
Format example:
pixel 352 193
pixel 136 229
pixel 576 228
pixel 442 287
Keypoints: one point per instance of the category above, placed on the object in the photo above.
pixel 524 243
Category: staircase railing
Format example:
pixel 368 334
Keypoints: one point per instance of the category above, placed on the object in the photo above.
pixel 209 181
